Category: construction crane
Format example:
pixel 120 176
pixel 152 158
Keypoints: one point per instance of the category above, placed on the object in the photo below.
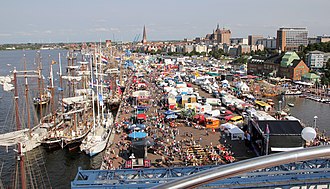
pixel 136 38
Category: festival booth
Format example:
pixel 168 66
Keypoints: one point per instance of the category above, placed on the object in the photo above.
pixel 233 131
pixel 236 133
pixel 138 151
pixel 142 97
pixel 212 123
pixel 141 109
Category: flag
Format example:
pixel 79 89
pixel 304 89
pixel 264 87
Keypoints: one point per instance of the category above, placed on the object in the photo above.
pixel 267 129
pixel 267 142
pixel 101 100
pixel 104 59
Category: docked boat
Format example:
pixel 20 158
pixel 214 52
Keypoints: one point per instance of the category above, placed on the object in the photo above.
pixel 29 138
pixel 292 92
pixel 96 141
pixel 269 94
pixel 291 104
pixel 43 100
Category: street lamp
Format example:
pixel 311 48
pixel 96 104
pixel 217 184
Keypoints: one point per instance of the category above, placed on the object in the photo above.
pixel 315 117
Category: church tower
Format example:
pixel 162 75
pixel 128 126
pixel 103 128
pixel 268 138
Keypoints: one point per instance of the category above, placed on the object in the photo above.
pixel 144 39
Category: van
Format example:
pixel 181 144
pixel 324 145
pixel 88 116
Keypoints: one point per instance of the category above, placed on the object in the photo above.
pixel 213 101
pixel 236 120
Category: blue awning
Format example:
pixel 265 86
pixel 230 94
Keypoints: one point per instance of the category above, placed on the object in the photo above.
pixel 138 135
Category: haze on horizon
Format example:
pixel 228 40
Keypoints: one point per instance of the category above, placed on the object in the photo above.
pixel 81 20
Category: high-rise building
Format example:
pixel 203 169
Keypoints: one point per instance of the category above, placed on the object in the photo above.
pixel 144 39
pixel 289 39
pixel 252 39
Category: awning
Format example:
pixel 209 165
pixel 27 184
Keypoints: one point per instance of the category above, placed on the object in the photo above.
pixel 168 112
pixel 138 135
pixel 172 116
pixel 141 116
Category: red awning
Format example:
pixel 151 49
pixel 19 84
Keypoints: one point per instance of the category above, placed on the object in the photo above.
pixel 141 116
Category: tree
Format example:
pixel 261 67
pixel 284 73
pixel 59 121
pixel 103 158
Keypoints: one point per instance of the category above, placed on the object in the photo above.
pixel 325 78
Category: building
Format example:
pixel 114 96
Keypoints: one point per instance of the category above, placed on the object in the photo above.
pixel 286 65
pixel 144 39
pixel 268 43
pixel 219 36
pixel 188 48
pixel 200 48
pixel 315 59
pixel 238 41
pixel 243 49
pixel 323 39
pixel 295 71
pixel 224 36
pixel 289 39
pixel 252 39
pixel 272 136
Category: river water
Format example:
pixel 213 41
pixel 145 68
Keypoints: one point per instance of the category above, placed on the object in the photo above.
pixel 62 165
pixel 306 110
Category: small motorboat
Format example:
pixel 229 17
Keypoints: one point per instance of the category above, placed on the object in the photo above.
pixel 291 104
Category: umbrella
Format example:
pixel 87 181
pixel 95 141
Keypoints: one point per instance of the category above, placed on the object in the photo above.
pixel 137 135
pixel 172 116
pixel 168 112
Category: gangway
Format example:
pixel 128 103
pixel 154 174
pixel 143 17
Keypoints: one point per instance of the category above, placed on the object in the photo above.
pixel 269 171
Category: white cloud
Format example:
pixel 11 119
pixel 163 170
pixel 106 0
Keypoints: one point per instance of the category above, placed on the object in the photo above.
pixel 22 33
pixel 101 20
pixel 5 34
pixel 115 29
pixel 100 30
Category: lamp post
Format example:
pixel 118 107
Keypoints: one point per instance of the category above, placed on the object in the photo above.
pixel 279 105
pixel 315 117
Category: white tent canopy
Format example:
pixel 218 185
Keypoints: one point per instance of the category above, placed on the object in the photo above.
pixel 236 133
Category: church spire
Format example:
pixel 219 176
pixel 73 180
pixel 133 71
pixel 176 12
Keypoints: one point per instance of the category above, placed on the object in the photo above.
pixel 218 26
pixel 144 39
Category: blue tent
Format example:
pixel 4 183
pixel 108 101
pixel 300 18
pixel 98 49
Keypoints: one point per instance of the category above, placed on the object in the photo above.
pixel 172 116
pixel 168 112
pixel 138 135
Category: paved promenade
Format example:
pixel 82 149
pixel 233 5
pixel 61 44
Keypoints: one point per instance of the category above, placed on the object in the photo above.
pixel 175 144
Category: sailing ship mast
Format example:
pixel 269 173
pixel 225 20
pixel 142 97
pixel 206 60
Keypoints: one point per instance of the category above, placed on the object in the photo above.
pixel 20 156
pixel 40 81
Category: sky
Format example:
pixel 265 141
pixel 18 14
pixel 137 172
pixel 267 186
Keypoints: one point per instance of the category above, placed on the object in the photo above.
pixel 44 21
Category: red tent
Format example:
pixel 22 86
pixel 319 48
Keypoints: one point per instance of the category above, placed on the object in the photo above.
pixel 141 116
pixel 228 112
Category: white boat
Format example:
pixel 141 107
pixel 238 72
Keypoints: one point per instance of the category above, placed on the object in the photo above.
pixel 96 141
pixel 292 92
pixel 291 104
